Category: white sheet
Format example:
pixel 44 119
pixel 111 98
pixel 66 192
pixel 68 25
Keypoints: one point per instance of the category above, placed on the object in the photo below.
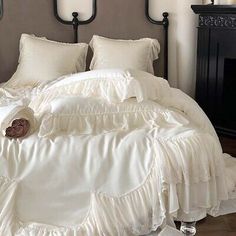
pixel 119 182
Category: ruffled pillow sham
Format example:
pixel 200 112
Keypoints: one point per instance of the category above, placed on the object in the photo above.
pixel 43 60
pixel 113 85
pixel 93 102
pixel 116 53
pixel 77 115
pixel 116 84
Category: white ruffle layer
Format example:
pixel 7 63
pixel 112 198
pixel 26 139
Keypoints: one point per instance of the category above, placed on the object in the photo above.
pixel 186 189
pixel 112 90
pixel 54 124
pixel 77 115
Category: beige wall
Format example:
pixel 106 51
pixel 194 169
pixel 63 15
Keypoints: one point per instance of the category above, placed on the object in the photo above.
pixel 183 41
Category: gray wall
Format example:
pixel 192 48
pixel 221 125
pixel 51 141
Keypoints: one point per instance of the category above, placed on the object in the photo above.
pixel 116 19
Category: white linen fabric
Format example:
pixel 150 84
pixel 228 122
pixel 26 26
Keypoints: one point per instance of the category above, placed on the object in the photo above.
pixel 111 176
pixel 117 53
pixel 44 60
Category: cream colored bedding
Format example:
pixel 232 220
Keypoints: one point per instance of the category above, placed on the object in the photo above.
pixel 102 163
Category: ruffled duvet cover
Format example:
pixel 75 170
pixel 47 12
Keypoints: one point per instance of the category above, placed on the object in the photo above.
pixel 109 158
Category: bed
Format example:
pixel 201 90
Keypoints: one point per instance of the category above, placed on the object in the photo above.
pixel 112 151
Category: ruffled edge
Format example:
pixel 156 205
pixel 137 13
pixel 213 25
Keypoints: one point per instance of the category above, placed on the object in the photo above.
pixel 105 209
pixel 54 124
pixel 155 198
pixel 153 46
pixel 112 90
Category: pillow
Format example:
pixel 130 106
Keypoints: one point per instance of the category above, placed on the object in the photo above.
pixel 43 60
pixel 79 115
pixel 134 54
pixel 112 85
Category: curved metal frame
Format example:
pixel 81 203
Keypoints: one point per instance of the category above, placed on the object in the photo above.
pixel 165 23
pixel 1 9
pixel 75 22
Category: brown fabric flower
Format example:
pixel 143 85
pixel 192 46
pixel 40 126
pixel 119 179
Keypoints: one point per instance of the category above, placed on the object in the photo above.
pixel 18 129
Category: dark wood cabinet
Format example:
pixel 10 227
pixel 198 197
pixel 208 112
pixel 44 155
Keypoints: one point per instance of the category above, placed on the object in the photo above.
pixel 216 65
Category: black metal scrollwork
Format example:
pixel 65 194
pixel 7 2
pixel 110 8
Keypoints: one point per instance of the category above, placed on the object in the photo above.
pixel 1 9
pixel 75 22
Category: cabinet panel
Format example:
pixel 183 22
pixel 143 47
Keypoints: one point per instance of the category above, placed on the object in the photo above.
pixel 216 65
pixel 202 68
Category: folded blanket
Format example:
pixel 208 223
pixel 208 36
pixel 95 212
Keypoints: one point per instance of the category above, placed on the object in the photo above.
pixel 16 121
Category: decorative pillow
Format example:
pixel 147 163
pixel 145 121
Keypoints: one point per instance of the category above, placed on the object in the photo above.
pixel 134 54
pixel 44 60
pixel 101 101
pixel 79 115
pixel 112 85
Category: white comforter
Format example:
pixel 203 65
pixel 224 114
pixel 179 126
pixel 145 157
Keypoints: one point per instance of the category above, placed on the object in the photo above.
pixel 101 163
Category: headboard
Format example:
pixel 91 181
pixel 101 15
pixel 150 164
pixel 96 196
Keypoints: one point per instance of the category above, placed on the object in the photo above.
pixel 123 19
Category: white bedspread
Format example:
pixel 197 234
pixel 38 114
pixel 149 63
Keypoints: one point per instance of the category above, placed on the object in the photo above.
pixel 122 168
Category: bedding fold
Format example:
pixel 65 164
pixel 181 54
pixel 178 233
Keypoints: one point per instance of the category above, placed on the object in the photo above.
pixel 8 221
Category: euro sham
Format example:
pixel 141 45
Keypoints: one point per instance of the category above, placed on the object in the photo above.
pixel 114 53
pixel 44 60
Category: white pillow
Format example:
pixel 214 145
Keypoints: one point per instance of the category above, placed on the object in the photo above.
pixel 113 85
pixel 44 60
pixel 134 54
pixel 79 115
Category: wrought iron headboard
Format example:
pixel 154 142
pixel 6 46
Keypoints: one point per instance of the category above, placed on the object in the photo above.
pixel 75 22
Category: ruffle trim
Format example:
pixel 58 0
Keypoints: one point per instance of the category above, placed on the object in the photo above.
pixel 143 209
pixel 55 124
pixel 112 90
pixel 76 115
pixel 189 158
pixel 140 211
